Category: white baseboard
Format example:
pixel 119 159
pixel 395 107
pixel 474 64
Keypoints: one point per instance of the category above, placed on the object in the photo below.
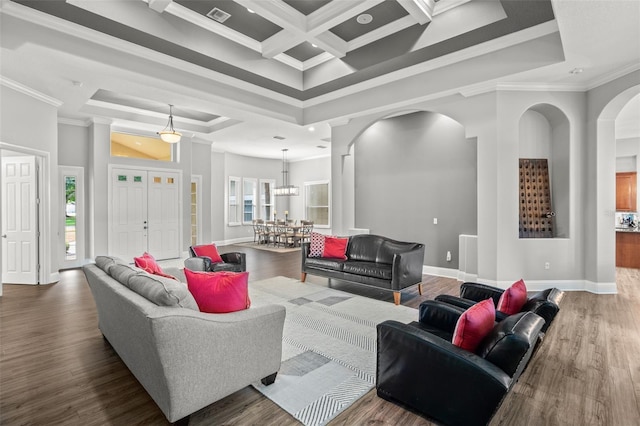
pixel 532 285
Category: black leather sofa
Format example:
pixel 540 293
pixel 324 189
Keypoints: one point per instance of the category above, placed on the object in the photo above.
pixel 545 303
pixel 419 367
pixel 371 260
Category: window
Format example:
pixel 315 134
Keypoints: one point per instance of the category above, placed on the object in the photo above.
pixel 267 202
pixel 234 201
pixel 249 198
pixel 316 203
pixel 136 146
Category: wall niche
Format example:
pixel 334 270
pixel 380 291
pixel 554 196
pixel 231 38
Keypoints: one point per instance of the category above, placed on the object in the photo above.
pixel 544 173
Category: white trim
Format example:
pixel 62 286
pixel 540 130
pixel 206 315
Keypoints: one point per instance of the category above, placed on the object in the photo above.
pixel 606 78
pixel 21 88
pixel 74 122
pixel 198 181
pixel 439 272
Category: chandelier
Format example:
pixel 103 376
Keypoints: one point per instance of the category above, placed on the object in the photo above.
pixel 168 134
pixel 285 189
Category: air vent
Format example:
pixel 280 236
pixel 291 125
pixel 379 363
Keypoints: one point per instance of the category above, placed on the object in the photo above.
pixel 321 146
pixel 280 138
pixel 218 15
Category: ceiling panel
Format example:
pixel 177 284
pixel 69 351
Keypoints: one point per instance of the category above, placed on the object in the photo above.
pixel 307 7
pixel 304 51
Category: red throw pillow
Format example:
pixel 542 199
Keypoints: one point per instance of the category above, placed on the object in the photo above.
pixel 335 247
pixel 316 248
pixel 513 298
pixel 209 250
pixel 474 324
pixel 219 292
pixel 148 264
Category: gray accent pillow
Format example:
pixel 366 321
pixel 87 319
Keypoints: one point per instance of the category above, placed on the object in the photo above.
pixel 122 273
pixel 163 291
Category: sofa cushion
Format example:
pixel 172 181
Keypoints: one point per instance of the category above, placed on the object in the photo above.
pixel 209 250
pixel 122 273
pixel 369 269
pixel 335 247
pixel 162 291
pixel 474 325
pixel 149 264
pixel 513 298
pixel 325 263
pixel 105 262
pixel 219 292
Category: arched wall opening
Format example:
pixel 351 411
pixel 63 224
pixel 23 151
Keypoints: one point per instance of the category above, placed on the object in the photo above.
pixel 544 134
pixel 415 179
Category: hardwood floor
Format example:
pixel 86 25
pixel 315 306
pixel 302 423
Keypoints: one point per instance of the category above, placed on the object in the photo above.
pixel 55 368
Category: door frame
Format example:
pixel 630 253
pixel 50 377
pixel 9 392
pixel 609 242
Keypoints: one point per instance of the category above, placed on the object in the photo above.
pixel 112 166
pixel 78 172
pixel 44 252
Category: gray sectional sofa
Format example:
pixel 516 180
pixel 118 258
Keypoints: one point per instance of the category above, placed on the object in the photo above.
pixel 184 358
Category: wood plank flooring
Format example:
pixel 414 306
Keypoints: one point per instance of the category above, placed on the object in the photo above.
pixel 55 368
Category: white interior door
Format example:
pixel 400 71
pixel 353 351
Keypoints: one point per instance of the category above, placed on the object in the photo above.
pixel 19 220
pixel 164 215
pixel 128 230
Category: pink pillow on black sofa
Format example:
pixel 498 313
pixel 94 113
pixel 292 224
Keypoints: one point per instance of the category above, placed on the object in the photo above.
pixel 209 250
pixel 335 248
pixel 513 298
pixel 474 325
pixel 219 292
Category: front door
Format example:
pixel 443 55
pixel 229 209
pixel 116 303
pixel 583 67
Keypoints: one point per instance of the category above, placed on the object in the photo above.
pixel 19 220
pixel 128 233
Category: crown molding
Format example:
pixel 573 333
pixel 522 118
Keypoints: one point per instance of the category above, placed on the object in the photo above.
pixel 21 88
pixel 74 121
pixel 606 78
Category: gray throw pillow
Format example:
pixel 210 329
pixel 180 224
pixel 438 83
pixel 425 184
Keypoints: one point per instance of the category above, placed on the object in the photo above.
pixel 163 291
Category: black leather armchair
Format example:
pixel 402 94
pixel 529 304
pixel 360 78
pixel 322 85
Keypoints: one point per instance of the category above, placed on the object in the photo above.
pixel 234 261
pixel 545 303
pixel 418 366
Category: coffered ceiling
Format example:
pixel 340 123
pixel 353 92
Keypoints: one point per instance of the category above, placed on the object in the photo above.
pixel 241 72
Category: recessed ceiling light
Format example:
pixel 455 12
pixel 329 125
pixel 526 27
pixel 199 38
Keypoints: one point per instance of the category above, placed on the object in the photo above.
pixel 77 83
pixel 364 19
pixel 576 71
pixel 250 11
pixel 138 143
pixel 314 45
pixel 312 129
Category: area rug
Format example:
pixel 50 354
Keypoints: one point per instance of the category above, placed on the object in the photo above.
pixel 329 346
pixel 269 247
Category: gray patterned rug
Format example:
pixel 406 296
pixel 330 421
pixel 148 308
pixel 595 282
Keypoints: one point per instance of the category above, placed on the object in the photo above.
pixel 329 346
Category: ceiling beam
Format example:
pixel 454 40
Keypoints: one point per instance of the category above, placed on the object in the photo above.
pixel 421 10
pixel 159 5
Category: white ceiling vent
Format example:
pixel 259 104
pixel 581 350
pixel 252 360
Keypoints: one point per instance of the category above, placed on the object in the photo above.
pixel 218 15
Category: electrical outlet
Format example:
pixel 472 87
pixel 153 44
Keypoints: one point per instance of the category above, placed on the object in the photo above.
pixel 547 265
pixel 448 256
pixel 435 220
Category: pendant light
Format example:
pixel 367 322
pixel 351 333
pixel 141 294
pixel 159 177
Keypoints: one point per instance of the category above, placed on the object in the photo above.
pixel 286 189
pixel 168 134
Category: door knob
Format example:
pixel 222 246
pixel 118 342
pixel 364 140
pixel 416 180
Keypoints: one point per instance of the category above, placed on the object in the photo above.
pixel 4 235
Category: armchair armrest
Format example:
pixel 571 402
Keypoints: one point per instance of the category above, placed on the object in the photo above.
pixel 406 269
pixel 449 384
pixel 480 292
pixel 546 304
pixel 456 301
pixel 440 315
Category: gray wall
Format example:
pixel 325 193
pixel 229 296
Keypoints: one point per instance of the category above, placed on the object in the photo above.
pixel 414 168
pixel 318 169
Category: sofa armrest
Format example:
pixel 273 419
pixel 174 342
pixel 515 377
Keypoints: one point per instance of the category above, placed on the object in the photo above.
pixel 406 269
pixel 480 292
pixel 198 263
pixel 205 357
pixel 449 384
pixel 304 249
pixel 456 301
pixel 440 315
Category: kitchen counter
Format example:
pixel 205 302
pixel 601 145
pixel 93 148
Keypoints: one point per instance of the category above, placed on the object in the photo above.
pixel 628 229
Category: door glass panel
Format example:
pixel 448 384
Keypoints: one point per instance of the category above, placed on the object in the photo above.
pixel 70 218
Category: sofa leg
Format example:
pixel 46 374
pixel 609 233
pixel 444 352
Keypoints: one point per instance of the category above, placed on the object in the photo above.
pixel 303 276
pixel 420 289
pixel 396 297
pixel 269 379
